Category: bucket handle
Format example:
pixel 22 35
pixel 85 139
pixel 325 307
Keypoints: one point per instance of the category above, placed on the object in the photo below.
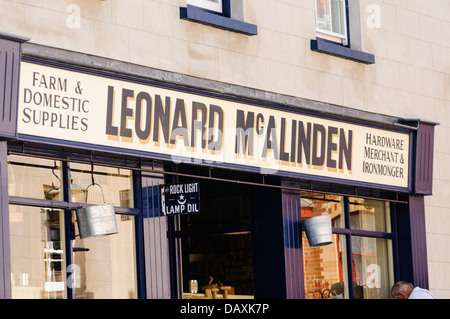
pixel 103 194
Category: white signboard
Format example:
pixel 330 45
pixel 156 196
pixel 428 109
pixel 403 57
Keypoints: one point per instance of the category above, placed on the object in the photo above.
pixel 184 127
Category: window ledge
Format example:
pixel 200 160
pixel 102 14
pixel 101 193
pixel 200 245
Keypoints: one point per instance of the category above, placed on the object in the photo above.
pixel 196 14
pixel 338 50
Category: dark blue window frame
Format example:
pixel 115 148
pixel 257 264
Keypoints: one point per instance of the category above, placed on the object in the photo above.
pixel 342 51
pixel 216 19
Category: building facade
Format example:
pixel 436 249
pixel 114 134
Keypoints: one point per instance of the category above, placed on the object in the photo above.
pixel 216 129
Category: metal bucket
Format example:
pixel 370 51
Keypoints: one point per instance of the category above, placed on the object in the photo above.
pixel 318 230
pixel 96 220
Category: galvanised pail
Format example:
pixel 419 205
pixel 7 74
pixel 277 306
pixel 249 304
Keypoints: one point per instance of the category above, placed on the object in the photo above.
pixel 96 220
pixel 318 230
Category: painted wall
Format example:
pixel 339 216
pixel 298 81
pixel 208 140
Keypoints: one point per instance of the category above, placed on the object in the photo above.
pixel 409 38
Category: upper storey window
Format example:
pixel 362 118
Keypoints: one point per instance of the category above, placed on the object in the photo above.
pixel 331 20
pixel 222 14
pixel 335 35
pixel 213 5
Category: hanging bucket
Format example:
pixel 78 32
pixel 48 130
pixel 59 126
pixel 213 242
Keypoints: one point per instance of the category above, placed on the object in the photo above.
pixel 318 230
pixel 96 220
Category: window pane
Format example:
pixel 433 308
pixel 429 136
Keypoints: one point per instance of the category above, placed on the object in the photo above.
pixel 219 260
pixel 331 16
pixel 372 262
pixel 338 16
pixel 323 16
pixel 37 253
pixel 325 269
pixel 314 204
pixel 367 214
pixel 116 184
pixel 105 266
pixel 34 177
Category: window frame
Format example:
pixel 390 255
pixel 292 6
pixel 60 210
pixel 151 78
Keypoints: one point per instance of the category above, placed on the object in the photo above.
pixel 331 35
pixel 221 20
pixel 348 232
pixel 66 205
pixel 337 45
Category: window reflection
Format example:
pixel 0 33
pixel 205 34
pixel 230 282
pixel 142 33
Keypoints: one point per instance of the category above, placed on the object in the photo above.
pixel 34 177
pixel 331 16
pixel 325 269
pixel 115 185
pixel 372 262
pixel 105 267
pixel 368 214
pixel 314 204
pixel 37 253
pixel 217 250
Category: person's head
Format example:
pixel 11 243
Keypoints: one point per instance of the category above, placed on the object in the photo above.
pixel 401 290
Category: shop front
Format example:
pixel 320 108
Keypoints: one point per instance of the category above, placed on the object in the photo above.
pixel 209 191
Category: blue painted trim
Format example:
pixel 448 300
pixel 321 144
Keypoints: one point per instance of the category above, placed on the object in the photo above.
pixel 5 253
pixel 139 236
pixel 198 162
pixel 335 49
pixel 196 14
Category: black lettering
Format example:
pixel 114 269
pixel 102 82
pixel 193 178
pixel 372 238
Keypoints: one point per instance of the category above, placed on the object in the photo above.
pixel 304 143
pixel 331 146
pixel 54 119
pixel 259 124
pixel 293 140
pixel 271 138
pixel 162 118
pixel 318 155
pixel 27 93
pixel 215 111
pixel 345 149
pixel 179 125
pixel 198 125
pixel 143 134
pixel 126 113
pixel 84 124
pixel 25 113
pixel 110 129
pixel 284 156
pixel 244 132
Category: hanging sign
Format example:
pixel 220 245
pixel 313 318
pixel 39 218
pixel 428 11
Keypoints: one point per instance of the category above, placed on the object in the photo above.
pixel 188 128
pixel 179 199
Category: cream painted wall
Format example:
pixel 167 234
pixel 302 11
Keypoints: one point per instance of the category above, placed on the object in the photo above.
pixel 411 76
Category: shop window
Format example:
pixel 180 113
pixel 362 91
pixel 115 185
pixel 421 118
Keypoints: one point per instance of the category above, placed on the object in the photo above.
pixel 366 214
pixel 35 178
pixel 48 258
pixel 216 248
pixel 106 265
pixel 372 267
pixel 115 184
pixel 359 262
pixel 37 253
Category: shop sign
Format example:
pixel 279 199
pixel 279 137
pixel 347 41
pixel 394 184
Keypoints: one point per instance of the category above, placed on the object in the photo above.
pixel 184 127
pixel 179 199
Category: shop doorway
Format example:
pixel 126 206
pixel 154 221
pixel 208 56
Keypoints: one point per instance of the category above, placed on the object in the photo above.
pixel 216 244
